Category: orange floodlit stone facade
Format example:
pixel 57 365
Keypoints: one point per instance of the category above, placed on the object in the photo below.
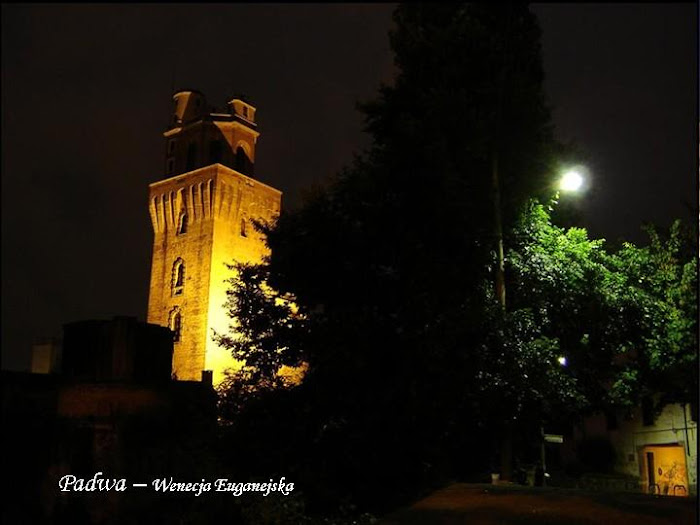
pixel 201 215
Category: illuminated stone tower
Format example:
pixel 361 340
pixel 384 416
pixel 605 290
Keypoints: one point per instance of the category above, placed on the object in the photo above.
pixel 201 214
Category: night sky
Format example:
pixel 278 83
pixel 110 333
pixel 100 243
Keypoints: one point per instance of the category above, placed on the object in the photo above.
pixel 86 95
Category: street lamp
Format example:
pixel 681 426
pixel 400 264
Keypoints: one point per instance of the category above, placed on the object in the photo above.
pixel 572 180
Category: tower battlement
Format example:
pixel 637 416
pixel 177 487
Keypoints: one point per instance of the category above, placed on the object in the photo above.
pixel 211 192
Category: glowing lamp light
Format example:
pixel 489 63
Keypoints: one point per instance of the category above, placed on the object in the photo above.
pixel 571 181
pixel 562 361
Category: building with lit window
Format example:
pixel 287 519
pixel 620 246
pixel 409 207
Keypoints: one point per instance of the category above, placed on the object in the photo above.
pixel 649 451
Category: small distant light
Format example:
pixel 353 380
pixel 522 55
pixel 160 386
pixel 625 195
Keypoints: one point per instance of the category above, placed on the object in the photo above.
pixel 571 181
pixel 562 361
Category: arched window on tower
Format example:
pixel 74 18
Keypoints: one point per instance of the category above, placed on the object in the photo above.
pixel 178 284
pixel 241 160
pixel 182 224
pixel 215 151
pixel 175 323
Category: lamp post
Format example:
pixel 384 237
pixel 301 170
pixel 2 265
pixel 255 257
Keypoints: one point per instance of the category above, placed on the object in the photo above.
pixel 571 181
pixel 544 437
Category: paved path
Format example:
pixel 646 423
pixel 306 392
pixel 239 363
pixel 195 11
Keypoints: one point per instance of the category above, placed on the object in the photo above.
pixel 472 504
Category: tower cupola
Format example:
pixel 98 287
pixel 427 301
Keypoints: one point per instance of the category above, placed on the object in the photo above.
pixel 199 135
pixel 188 105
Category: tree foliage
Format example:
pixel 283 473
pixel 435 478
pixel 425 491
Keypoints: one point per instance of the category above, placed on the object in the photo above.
pixel 626 320
pixel 266 328
pixel 661 296
pixel 266 334
pixel 469 87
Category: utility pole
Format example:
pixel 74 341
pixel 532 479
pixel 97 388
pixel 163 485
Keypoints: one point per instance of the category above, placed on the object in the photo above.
pixel 495 153
pixel 498 224
pixel 507 438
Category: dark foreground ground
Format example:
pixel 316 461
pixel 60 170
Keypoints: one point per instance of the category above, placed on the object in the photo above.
pixel 490 505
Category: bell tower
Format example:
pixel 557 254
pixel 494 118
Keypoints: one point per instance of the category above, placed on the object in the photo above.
pixel 201 213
